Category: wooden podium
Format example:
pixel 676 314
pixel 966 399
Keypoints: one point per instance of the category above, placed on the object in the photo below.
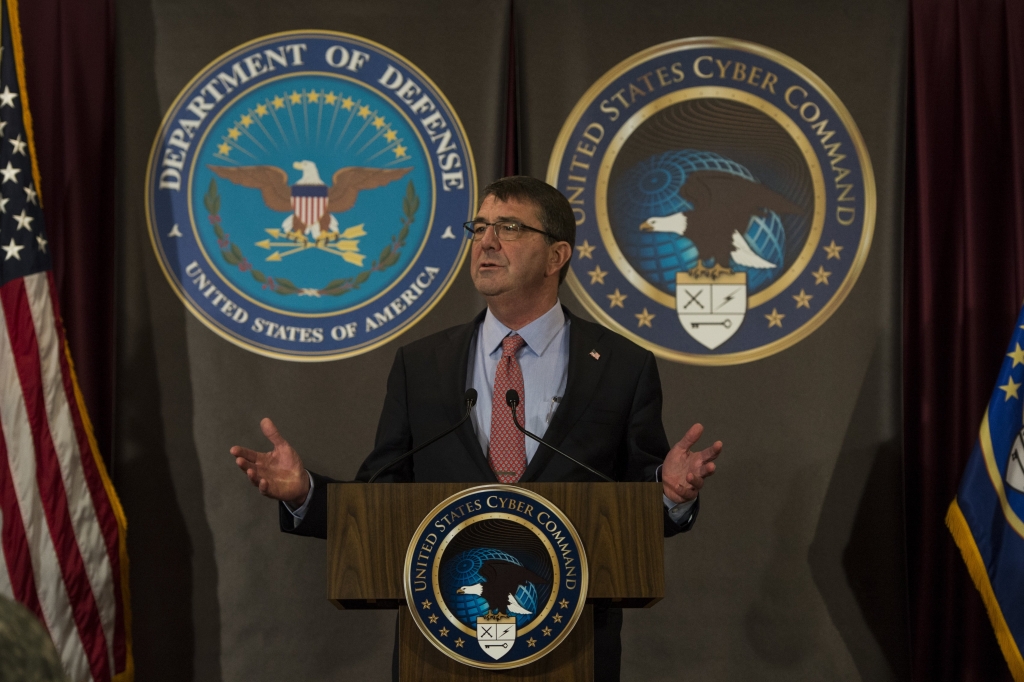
pixel 370 526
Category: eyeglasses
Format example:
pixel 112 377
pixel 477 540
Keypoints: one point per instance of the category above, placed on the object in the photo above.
pixel 505 230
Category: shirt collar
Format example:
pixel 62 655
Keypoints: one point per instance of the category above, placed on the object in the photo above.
pixel 538 334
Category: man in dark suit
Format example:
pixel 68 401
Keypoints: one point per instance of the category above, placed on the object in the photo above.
pixel 588 390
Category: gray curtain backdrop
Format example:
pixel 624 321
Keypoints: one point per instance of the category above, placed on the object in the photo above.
pixel 218 592
pixel 795 569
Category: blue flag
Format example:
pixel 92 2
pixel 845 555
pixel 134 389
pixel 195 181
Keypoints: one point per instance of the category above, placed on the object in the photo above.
pixel 987 516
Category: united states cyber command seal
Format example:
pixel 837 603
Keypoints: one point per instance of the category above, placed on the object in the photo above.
pixel 305 195
pixel 495 577
pixel 724 200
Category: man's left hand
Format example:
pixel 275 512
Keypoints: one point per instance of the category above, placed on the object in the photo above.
pixel 684 470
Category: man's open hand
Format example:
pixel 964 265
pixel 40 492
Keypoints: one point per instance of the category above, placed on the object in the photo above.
pixel 684 470
pixel 278 474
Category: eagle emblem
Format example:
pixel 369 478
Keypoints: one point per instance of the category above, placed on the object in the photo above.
pixel 712 301
pixel 311 204
pixel 723 204
pixel 500 585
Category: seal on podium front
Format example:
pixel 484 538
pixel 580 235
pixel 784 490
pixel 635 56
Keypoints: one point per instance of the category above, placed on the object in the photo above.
pixel 496 577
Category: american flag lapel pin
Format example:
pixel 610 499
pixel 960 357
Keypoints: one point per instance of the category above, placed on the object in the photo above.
pixel 594 354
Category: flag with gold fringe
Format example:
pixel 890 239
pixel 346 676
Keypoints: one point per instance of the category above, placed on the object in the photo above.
pixel 62 529
pixel 986 516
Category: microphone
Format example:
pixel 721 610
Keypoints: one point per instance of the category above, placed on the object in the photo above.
pixel 470 399
pixel 512 400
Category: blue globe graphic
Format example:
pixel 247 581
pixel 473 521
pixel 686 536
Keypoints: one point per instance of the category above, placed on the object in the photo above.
pixel 651 189
pixel 767 238
pixel 464 569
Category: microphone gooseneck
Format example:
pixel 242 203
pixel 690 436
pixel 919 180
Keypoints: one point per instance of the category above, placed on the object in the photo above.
pixel 469 398
pixel 512 400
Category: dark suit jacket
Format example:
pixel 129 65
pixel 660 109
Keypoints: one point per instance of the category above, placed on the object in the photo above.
pixel 609 417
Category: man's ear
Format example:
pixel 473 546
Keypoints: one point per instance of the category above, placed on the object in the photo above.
pixel 559 254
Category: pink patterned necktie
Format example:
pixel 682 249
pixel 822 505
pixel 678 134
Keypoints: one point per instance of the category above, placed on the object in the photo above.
pixel 508 445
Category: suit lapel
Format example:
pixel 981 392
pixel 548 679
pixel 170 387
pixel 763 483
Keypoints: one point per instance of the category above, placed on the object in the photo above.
pixel 453 362
pixel 584 376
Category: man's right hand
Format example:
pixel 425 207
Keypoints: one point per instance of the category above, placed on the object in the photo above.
pixel 278 474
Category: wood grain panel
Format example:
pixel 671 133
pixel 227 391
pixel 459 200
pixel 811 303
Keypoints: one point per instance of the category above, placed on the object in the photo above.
pixel 622 528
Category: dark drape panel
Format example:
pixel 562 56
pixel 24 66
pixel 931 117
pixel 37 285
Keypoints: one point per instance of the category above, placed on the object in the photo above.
pixel 69 61
pixel 964 281
pixel 511 160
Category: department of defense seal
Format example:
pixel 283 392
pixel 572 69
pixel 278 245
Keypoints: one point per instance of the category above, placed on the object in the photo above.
pixel 305 194
pixel 496 577
pixel 724 200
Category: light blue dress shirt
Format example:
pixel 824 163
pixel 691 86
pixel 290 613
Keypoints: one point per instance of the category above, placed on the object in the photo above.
pixel 544 361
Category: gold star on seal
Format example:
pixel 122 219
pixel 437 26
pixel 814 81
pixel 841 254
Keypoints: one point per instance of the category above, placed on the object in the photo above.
pixel 399 151
pixel 564 604
pixel 330 98
pixel 426 603
pixel 616 299
pixel 278 102
pixel 557 618
pixel 347 103
pixel 223 149
pixel 547 632
pixel 459 642
pixel 585 250
pixel 832 250
pixel 821 276
pixel 313 96
pixel 443 632
pixel 261 110
pixel 364 111
pixel 803 300
pixel 775 319
pixel 296 98
pixel 597 275
pixel 247 120
pixel 433 618
pixel 378 122
pixel 234 133
pixel 644 319
pixel 1017 355
pixel 1010 388
pixel 531 642
pixel 390 135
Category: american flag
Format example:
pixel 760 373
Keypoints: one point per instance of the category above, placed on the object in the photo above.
pixel 309 202
pixel 62 528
